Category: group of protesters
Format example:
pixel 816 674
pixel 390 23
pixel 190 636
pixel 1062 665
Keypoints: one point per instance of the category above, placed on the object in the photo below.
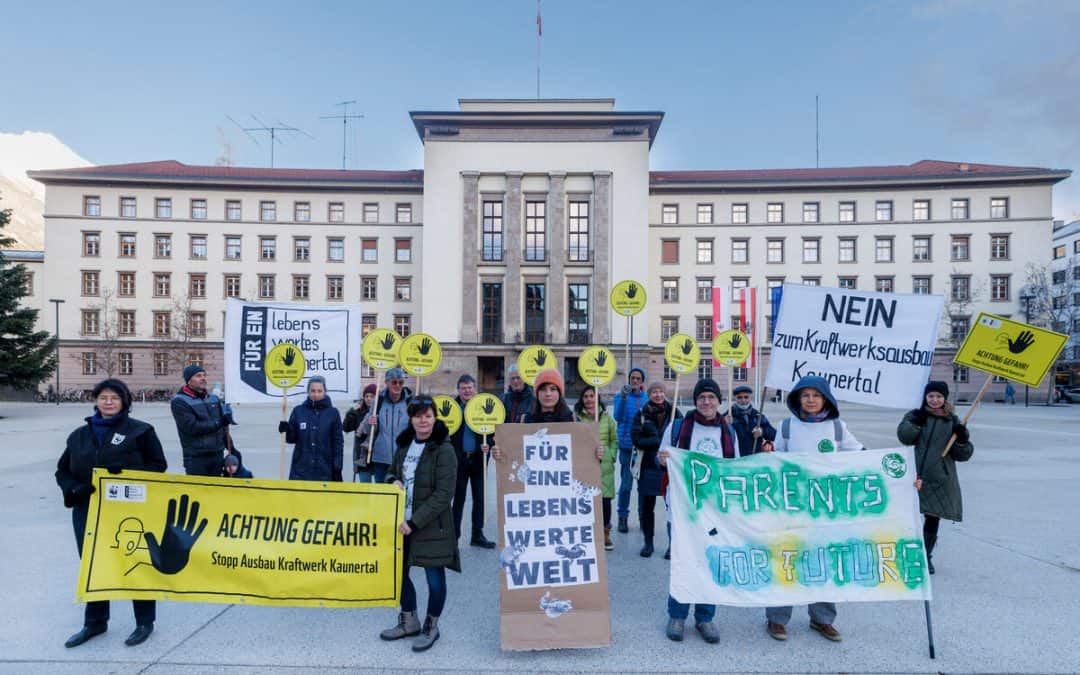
pixel 399 439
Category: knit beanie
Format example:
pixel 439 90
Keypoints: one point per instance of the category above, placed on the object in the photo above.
pixel 191 371
pixel 370 389
pixel 706 384
pixel 550 376
pixel 938 386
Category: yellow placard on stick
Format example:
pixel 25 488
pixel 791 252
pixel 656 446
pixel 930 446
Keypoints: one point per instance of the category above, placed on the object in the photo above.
pixel 1014 350
pixel 448 410
pixel 627 298
pixel 483 413
pixel 596 366
pixel 731 348
pixel 420 354
pixel 380 348
pixel 154 536
pixel 534 359
pixel 682 353
pixel 285 365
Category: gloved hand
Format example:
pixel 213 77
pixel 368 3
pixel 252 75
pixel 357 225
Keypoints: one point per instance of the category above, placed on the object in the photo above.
pixel 114 468
pixel 335 476
pixel 962 435
pixel 78 494
pixel 918 416
pixel 282 427
pixel 625 389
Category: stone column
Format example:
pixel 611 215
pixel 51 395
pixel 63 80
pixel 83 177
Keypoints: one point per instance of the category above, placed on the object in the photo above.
pixel 600 321
pixel 512 299
pixel 556 229
pixel 470 258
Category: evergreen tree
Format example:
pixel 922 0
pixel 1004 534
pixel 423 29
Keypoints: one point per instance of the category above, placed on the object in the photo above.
pixel 26 356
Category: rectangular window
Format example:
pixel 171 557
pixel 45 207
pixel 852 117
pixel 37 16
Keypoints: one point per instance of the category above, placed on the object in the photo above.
pixel 90 285
pixel 162 324
pixel 669 325
pixel 232 285
pixel 669 290
pixel 999 207
pixel 704 214
pixel 491 312
pixel 161 364
pixel 740 250
pixel 535 231
pixel 127 244
pixel 90 321
pixel 369 250
pixel 197 246
pixel 368 323
pixel 704 289
pixel 266 286
pixel 847 212
pixel 669 214
pixel 577 303
pixel 883 249
pixel 127 207
pixel 163 207
pixel 883 284
pixel 197 324
pixel 232 209
pixel 1059 252
pixel 535 311
pixel 371 212
pixel 920 249
pixel 959 327
pixel 703 328
pixel 232 247
pixel 302 212
pixel 125 362
pixel 301 249
pixel 1058 277
pixel 920 285
pixel 669 374
pixel 197 285
pixel 267 248
pixel 492 235
pixel 704 369
pixel 669 252
pixel 960 247
pixel 91 206
pixel 920 209
pixel 739 374
pixel 960 209
pixel 91 244
pixel 403 324
pixel 267 211
pixel 883 210
pixel 999 287
pixel 848 283
pixel 578 233
pixel 335 249
pixel 960 373
pixel 28 283
pixel 403 250
pixel 369 288
pixel 335 288
pixel 403 289
pixel 162 245
pixel 740 214
pixel 125 284
pixel 704 251
pixel 960 288
pixel 999 247
pixel 403 212
pixel 1058 302
pixel 89 363
pixel 811 212
pixel 847 249
pixel 774 251
pixel 198 209
pixel 774 212
pixel 811 281
pixel 336 212
pixel 811 250
pixel 301 287
pixel 162 284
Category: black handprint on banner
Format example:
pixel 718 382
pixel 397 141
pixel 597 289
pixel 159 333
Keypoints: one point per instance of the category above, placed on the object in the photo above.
pixel 687 347
pixel 540 358
pixel 600 359
pixel 289 357
pixel 631 291
pixel 735 341
pixel 388 341
pixel 489 406
pixel 180 535
pixel 444 409
pixel 1022 342
pixel 425 346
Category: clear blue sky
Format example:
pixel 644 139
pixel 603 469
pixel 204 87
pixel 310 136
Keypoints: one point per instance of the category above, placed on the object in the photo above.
pixel 965 80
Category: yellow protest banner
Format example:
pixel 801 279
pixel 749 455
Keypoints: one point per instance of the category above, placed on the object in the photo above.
pixel 153 536
pixel 627 298
pixel 448 410
pixel 730 348
pixel 682 353
pixel 420 354
pixel 532 360
pixel 285 365
pixel 380 348
pixel 597 366
pixel 1014 350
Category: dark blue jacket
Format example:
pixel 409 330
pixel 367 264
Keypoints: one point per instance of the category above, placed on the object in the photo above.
pixel 315 428
pixel 744 424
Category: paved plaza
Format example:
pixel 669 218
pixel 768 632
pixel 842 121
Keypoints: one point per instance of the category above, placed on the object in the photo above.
pixel 1005 593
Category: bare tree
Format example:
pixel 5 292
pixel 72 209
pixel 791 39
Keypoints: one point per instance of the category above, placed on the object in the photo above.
pixel 107 346
pixel 963 293
pixel 1049 299
pixel 186 335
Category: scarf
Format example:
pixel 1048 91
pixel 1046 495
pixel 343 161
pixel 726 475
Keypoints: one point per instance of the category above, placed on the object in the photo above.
pixel 191 392
pixel 816 417
pixel 102 427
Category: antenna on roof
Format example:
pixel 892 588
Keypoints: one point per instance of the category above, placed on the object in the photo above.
pixel 344 117
pixel 270 129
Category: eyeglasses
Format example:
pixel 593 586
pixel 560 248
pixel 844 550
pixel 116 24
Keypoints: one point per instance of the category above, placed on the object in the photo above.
pixel 399 382
pixel 422 400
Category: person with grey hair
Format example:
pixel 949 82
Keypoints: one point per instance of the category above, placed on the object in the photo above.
pixel 315 428
pixel 519 398
pixel 389 418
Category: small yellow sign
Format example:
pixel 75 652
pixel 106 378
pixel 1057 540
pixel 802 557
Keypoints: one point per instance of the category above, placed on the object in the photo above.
pixel 420 354
pixel 483 413
pixel 285 365
pixel 627 298
pixel 534 359
pixel 731 348
pixel 682 353
pixel 380 348
pixel 1016 351
pixel 448 410
pixel 596 366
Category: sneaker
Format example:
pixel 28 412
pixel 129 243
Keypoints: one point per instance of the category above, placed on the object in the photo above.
pixel 709 632
pixel 827 631
pixel 675 629
pixel 407 626
pixel 776 631
pixel 624 527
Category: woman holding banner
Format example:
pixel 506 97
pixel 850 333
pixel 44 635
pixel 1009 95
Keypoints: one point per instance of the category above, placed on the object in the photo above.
pixel 425 467
pixel 550 406
pixel 814 426
pixel 648 436
pixel 114 440
pixel 315 428
pixel 585 410
pixel 929 429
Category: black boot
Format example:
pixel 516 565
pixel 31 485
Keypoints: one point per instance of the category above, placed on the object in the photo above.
pixel 647 527
pixel 88 631
pixel 930 540
pixel 478 539
pixel 624 527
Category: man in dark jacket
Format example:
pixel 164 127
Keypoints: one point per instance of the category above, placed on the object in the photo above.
pixel 751 425
pixel 202 421
pixel 519 397
pixel 470 461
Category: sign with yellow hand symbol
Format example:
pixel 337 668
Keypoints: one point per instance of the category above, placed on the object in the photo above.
pixel 1016 351
pixel 682 353
pixel 448 410
pixel 597 366
pixel 420 354
pixel 285 365
pixel 627 298
pixel 731 348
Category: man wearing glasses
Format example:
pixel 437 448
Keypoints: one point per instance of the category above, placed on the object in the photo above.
pixel 390 421
pixel 519 397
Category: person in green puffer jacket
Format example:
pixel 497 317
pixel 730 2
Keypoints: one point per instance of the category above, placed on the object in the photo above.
pixel 929 428
pixel 585 411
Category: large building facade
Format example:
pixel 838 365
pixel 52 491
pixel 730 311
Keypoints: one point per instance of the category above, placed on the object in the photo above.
pixel 524 216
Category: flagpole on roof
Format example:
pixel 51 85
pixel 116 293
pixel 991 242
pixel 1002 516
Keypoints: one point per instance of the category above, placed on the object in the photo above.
pixel 539 34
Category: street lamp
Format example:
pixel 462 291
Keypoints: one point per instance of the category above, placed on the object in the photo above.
pixel 1026 299
pixel 57 302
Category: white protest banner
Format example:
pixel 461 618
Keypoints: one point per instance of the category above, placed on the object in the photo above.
pixel 873 348
pixel 329 338
pixel 778 529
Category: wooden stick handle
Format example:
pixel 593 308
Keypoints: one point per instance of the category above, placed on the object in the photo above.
pixel 974 404
pixel 371 434
pixel 281 459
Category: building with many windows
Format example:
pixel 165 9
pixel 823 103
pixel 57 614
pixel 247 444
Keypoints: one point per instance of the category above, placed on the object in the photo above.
pixel 1064 298
pixel 525 215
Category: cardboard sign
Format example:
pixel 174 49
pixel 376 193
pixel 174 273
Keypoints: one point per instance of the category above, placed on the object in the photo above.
pixel 285 365
pixel 553 588
pixel 596 366
pixel 448 410
pixel 380 348
pixel 483 413
pixel 627 298
pixel 1014 350
pixel 420 354
pixel 682 353
pixel 731 348
pixel 534 359
pixel 153 536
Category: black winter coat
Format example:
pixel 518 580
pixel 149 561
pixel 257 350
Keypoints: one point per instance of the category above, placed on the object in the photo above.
pixel 519 403
pixel 646 432
pixel 133 444
pixel 356 420
pixel 199 423
pixel 744 424
pixel 315 428
pixel 457 441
